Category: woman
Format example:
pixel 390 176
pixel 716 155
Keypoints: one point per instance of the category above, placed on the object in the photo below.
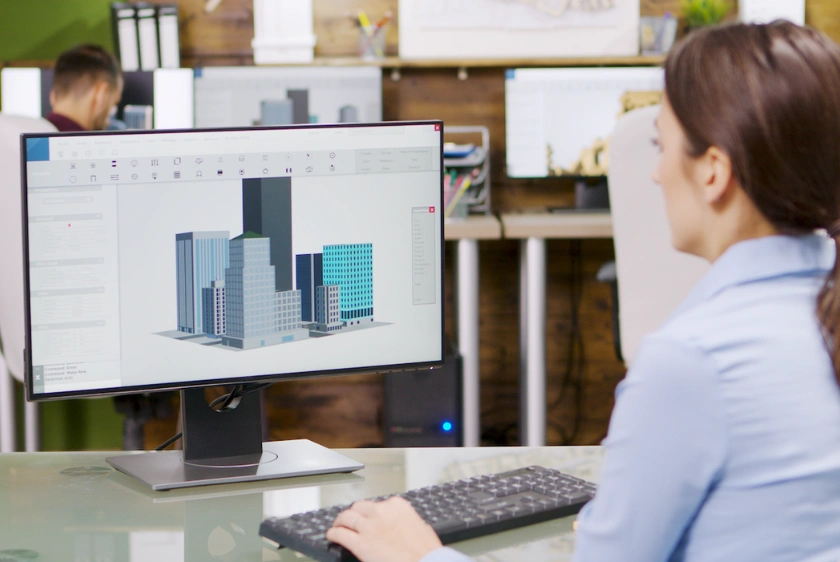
pixel 725 439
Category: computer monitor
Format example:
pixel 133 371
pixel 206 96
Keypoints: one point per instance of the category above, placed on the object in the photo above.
pixel 184 259
pixel 558 119
pixel 168 92
pixel 248 96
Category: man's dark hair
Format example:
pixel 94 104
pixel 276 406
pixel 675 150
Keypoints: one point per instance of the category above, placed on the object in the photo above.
pixel 82 66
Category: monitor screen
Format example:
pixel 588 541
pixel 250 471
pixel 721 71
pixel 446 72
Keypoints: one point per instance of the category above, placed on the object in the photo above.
pixel 248 96
pixel 158 260
pixel 558 120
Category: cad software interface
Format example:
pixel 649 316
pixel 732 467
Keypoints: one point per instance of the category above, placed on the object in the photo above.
pixel 161 259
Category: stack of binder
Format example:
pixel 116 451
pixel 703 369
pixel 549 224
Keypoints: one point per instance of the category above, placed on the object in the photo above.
pixel 146 35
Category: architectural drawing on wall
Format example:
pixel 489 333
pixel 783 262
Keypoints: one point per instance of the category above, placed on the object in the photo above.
pixel 517 14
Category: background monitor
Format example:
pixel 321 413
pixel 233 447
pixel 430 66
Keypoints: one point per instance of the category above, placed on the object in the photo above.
pixel 180 259
pixel 556 117
pixel 168 92
pixel 248 96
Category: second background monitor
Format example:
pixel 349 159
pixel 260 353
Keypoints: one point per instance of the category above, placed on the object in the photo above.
pixel 254 96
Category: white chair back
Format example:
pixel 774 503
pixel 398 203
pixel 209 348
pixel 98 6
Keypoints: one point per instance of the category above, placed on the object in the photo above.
pixel 653 277
pixel 11 275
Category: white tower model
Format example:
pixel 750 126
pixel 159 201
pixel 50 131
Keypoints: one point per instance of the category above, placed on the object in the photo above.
pixel 283 31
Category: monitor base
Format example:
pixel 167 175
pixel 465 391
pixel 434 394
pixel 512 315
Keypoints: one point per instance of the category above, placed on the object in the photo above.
pixel 166 470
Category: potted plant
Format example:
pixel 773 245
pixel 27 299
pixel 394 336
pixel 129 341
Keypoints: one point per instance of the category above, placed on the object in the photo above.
pixel 705 12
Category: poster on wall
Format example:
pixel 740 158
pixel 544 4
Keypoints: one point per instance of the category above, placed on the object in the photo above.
pixel 462 29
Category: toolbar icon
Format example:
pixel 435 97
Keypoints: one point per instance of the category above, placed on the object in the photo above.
pixel 177 161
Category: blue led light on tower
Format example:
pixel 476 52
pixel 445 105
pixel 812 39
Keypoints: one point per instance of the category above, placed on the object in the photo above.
pixel 446 426
pixel 350 266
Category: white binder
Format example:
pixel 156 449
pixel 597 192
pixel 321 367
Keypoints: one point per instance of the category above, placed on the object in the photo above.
pixel 125 31
pixel 148 35
pixel 168 32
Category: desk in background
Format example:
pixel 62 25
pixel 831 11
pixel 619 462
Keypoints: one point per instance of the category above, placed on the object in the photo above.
pixel 467 232
pixel 533 229
pixel 73 506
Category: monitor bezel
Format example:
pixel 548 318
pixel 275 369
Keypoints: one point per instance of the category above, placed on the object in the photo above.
pixel 181 385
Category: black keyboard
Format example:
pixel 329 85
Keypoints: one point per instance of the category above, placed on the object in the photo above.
pixel 457 511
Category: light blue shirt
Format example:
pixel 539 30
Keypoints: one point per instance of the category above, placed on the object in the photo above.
pixel 724 444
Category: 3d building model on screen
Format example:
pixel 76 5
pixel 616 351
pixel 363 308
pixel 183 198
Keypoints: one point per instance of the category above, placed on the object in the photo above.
pixel 239 293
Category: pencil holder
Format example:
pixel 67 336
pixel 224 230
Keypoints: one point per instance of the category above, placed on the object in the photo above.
pixel 372 42
pixel 656 34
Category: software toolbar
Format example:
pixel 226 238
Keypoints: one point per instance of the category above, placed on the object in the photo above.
pixel 97 171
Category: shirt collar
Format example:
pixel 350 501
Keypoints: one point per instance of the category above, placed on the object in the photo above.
pixel 763 258
pixel 64 123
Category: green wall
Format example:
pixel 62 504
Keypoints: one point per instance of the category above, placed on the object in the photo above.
pixel 38 30
pixel 74 425
pixel 42 29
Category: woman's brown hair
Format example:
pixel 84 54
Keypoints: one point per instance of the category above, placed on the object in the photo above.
pixel 769 96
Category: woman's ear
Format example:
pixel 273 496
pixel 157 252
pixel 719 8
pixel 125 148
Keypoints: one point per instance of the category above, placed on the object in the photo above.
pixel 714 174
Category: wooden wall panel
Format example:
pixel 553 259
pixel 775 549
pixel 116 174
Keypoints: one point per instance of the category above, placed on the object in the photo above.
pixel 825 16
pixel 224 36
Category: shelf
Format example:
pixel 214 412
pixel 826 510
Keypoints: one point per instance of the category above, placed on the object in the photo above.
pixel 570 224
pixel 474 227
pixel 397 62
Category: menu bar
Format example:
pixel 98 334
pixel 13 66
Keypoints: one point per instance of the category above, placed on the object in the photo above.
pixel 213 166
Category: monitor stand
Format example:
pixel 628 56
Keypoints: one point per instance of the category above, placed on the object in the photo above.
pixel 226 447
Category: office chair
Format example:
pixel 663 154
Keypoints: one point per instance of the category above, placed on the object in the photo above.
pixel 11 279
pixel 650 278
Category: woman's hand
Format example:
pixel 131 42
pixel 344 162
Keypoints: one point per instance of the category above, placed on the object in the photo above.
pixel 386 531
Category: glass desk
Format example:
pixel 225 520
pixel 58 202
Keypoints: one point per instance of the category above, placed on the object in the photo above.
pixel 60 507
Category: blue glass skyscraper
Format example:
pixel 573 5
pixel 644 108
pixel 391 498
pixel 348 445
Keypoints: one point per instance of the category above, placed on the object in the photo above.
pixel 201 258
pixel 350 266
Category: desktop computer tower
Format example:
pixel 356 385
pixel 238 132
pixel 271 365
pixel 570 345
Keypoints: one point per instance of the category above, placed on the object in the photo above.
pixel 423 408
